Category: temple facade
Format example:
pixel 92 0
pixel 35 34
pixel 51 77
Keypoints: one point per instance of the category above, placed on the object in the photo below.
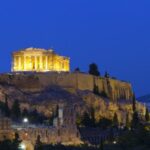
pixel 39 60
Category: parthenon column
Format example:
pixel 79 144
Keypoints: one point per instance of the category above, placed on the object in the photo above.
pixel 35 59
pixel 24 63
pixel 14 63
pixel 41 62
pixel 19 59
pixel 46 63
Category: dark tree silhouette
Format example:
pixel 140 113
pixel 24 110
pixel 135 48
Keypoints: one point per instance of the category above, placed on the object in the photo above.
pixel 127 121
pixel 92 116
pixel 104 123
pixel 93 69
pixel 6 144
pixel 135 120
pixel 56 111
pixel 115 120
pixel 134 103
pixel 38 144
pixel 25 113
pixel 101 145
pixel 16 113
pixel 96 90
pixel 77 69
pixel 6 108
pixel 106 75
pixel 147 117
pixel 16 141
pixel 86 120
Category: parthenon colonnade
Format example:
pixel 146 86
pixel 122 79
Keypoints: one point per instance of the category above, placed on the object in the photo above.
pixel 40 60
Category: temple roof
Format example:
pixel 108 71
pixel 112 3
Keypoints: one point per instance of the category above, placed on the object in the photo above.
pixel 37 49
pixel 34 50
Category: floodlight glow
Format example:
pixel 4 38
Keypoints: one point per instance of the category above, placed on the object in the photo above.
pixel 25 120
pixel 22 146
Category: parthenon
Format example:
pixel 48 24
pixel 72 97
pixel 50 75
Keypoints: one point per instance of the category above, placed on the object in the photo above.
pixel 39 60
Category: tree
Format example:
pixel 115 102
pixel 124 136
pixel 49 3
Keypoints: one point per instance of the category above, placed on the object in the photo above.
pixel 93 69
pixel 135 120
pixel 147 117
pixel 34 116
pixel 133 103
pixel 16 142
pixel 77 69
pixel 92 115
pixel 78 120
pixel 101 144
pixel 136 139
pixel 86 120
pixel 106 75
pixel 38 144
pixel 25 113
pixel 51 118
pixel 56 113
pixel 6 144
pixel 96 90
pixel 115 120
pixel 127 121
pixel 103 94
pixel 104 123
pixel 6 108
pixel 16 110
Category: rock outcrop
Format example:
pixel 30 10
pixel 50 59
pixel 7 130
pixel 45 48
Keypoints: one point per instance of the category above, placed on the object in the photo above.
pixel 35 82
pixel 45 91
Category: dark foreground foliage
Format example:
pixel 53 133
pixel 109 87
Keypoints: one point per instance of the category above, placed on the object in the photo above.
pixel 61 147
pixel 7 144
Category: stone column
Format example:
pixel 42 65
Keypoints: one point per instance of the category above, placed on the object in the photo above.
pixel 46 63
pixel 19 59
pixel 14 63
pixel 35 59
pixel 65 65
pixel 41 63
pixel 68 65
pixel 24 62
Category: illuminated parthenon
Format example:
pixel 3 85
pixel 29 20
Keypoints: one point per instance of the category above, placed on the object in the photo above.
pixel 39 60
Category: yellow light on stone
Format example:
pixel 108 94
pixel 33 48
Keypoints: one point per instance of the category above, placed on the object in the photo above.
pixel 39 60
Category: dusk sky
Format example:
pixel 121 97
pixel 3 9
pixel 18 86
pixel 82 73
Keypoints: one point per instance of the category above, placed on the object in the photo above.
pixel 115 34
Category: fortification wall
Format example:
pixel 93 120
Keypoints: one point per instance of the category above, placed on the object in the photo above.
pixel 114 89
pixel 50 135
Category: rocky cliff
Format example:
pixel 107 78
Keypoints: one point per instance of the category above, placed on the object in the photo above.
pixel 35 82
pixel 45 91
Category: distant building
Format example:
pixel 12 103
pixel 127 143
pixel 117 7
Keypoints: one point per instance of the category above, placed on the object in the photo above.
pixel 59 120
pixel 39 60
pixel 64 130
pixel 6 131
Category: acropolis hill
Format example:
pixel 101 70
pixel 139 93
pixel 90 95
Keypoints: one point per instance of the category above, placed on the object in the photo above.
pixel 114 89
pixel 41 60
pixel 40 78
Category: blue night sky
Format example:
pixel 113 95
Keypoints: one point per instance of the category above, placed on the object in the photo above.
pixel 115 34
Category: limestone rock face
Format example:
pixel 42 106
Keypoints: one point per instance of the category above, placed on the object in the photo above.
pixel 35 82
pixel 45 91
pixel 106 108
pixel 46 100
